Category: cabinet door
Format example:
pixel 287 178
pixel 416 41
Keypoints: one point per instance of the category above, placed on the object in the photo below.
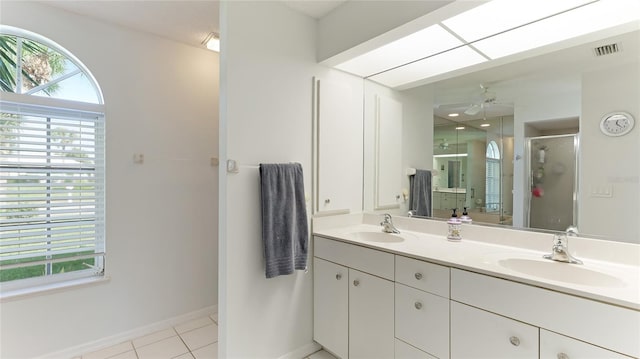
pixel 476 333
pixel 556 346
pixel 370 316
pixel 338 140
pixel 330 306
pixel 422 320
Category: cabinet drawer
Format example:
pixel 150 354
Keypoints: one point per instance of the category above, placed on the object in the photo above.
pixel 406 351
pixel 579 318
pixel 422 320
pixel 553 346
pixel 423 275
pixel 476 333
pixel 367 260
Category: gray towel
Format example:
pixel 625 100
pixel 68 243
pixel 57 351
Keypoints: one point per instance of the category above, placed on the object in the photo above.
pixel 285 235
pixel 420 200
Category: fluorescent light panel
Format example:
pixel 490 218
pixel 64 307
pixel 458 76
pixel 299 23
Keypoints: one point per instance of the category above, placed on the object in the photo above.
pixel 490 19
pixel 587 19
pixel 423 43
pixel 432 66
pixel 452 155
pixel 500 15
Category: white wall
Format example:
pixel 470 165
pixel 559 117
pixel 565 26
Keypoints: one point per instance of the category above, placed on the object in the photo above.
pixel 610 161
pixel 161 100
pixel 267 66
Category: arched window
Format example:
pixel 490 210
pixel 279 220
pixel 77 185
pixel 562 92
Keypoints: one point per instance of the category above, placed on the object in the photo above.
pixel 52 151
pixel 492 190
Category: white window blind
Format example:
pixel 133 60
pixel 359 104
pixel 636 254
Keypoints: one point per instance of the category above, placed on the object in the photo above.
pixel 52 193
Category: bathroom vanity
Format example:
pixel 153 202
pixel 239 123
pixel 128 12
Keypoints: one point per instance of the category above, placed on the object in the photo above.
pixel 417 295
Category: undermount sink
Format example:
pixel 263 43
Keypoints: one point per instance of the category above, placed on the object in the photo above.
pixel 562 272
pixel 379 237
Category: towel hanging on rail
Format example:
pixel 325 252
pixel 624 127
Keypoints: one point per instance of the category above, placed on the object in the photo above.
pixel 285 234
pixel 420 193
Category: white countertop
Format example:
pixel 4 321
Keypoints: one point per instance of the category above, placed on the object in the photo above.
pixel 483 257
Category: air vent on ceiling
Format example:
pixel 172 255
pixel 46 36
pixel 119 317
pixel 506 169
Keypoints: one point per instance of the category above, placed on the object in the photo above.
pixel 607 49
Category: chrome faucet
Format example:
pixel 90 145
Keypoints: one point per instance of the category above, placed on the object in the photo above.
pixel 560 249
pixel 387 225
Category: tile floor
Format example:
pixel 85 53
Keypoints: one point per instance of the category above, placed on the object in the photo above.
pixel 194 339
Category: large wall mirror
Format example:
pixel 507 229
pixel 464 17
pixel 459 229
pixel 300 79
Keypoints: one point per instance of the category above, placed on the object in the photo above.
pixel 518 144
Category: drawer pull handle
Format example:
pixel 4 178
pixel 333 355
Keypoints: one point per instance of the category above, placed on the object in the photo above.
pixel 563 356
pixel 418 276
pixel 515 341
pixel 418 305
pixel 338 276
pixel 356 282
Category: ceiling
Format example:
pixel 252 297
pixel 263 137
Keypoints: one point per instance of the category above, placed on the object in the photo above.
pixel 184 21
pixel 190 22
pixel 181 20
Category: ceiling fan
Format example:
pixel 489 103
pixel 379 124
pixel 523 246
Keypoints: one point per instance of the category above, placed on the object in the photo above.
pixel 483 101
pixel 487 99
pixel 443 145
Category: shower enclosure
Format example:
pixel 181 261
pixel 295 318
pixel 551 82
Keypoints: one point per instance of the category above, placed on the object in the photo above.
pixel 552 165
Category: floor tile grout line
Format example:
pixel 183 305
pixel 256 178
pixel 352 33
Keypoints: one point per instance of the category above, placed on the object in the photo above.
pixel 179 335
pixel 186 346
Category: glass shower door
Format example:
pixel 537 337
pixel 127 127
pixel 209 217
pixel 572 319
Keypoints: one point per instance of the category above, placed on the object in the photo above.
pixel 552 165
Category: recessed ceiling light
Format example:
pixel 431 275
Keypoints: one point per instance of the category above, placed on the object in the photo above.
pixel 485 125
pixel 453 115
pixel 460 128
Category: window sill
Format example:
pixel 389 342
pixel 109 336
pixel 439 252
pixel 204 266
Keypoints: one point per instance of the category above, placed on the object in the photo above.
pixel 7 296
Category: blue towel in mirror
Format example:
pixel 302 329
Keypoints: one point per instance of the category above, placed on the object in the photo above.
pixel 285 234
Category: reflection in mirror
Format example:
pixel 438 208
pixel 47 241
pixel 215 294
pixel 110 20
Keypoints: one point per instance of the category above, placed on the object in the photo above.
pixel 552 163
pixel 482 150
pixel 565 92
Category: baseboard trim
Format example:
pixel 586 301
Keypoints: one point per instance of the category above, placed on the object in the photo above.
pixel 129 335
pixel 303 351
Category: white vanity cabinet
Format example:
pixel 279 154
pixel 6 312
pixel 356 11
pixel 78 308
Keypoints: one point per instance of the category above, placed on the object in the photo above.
pixel 476 333
pixel 353 300
pixel 374 304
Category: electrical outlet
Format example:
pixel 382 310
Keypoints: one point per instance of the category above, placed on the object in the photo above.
pixel 602 191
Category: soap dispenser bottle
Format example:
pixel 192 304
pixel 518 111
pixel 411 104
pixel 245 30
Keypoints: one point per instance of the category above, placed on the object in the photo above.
pixel 454 227
pixel 465 216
